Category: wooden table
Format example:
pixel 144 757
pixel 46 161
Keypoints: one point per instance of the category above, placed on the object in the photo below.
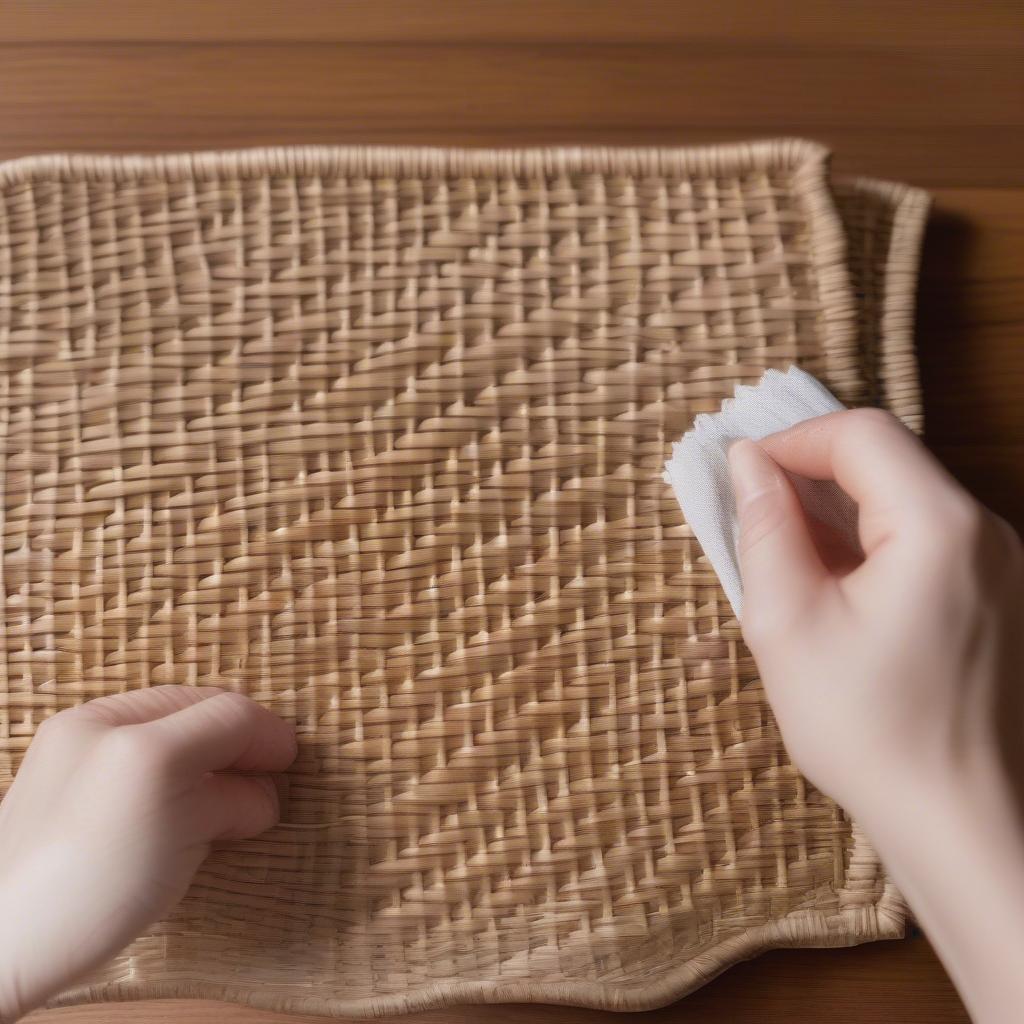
pixel 932 94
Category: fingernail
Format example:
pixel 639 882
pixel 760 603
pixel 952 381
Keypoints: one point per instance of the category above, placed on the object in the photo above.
pixel 753 473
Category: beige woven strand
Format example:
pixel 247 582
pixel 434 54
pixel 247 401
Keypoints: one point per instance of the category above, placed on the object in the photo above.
pixel 375 436
pixel 884 224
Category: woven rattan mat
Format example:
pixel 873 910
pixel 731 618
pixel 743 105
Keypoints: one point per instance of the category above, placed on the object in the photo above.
pixel 375 436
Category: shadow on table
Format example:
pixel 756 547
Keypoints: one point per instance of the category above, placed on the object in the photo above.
pixel 964 388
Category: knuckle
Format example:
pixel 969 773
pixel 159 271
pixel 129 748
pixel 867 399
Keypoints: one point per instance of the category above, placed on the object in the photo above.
pixel 960 518
pixel 57 727
pixel 869 428
pixel 236 699
pixel 136 750
pixel 871 420
pixel 231 711
pixel 230 704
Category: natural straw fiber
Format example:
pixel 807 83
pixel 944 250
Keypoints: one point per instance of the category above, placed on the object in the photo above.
pixel 375 436
pixel 884 224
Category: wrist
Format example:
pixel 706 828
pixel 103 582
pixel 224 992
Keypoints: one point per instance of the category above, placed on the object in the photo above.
pixel 952 839
pixel 933 779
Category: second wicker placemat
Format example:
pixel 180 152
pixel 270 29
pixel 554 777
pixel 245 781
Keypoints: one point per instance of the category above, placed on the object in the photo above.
pixel 375 436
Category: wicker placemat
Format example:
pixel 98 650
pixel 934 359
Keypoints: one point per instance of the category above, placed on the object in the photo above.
pixel 376 437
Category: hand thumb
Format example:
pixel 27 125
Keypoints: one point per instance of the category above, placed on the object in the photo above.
pixel 779 563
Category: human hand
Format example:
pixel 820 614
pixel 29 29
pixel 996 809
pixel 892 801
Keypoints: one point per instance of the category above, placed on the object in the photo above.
pixel 895 674
pixel 892 664
pixel 114 808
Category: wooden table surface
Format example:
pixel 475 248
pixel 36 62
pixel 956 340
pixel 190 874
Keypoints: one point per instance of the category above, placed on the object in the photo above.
pixel 932 94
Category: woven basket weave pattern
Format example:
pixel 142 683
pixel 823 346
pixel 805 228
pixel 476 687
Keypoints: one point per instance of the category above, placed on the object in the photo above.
pixel 376 438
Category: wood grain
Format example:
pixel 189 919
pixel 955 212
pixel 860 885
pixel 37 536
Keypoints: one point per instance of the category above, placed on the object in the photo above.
pixel 933 94
pixel 947 24
pixel 167 96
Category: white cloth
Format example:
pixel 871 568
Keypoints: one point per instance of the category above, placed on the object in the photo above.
pixel 698 471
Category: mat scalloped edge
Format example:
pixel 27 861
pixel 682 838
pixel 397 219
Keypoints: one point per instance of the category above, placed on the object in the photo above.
pixel 507 231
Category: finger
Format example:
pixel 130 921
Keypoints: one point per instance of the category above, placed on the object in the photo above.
pixel 779 563
pixel 227 731
pixel 874 458
pixel 138 706
pixel 237 806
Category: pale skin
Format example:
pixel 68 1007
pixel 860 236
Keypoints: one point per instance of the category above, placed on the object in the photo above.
pixel 892 673
pixel 116 805
pixel 896 678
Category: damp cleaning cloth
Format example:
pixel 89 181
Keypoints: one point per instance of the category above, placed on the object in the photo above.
pixel 698 471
